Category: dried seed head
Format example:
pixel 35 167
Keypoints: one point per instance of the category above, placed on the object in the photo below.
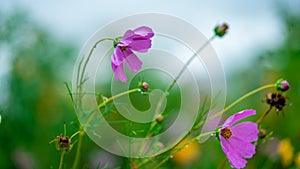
pixel 63 143
pixel 276 99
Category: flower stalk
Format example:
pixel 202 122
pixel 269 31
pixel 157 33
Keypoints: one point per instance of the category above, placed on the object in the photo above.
pixel 236 102
pixel 61 161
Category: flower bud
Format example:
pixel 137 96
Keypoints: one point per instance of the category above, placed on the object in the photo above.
pixel 221 30
pixel 145 86
pixel 282 85
pixel 159 118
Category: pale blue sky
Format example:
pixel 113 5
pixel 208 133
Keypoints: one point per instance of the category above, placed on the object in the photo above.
pixel 254 25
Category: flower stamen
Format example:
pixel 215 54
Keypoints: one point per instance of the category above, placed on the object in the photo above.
pixel 123 48
pixel 226 133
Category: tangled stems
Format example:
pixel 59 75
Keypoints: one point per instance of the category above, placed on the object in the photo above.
pixel 212 117
pixel 81 131
pixel 81 81
pixel 182 147
pixel 169 88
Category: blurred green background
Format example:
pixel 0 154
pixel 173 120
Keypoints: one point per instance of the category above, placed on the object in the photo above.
pixel 34 102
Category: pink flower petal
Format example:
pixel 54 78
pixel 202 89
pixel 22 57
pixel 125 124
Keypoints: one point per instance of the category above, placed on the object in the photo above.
pixel 117 57
pixel 248 131
pixel 132 61
pixel 238 116
pixel 141 45
pixel 128 34
pixel 236 161
pixel 136 40
pixel 144 31
pixel 120 73
pixel 244 148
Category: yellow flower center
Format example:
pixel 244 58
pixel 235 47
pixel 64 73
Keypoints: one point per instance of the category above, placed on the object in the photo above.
pixel 226 133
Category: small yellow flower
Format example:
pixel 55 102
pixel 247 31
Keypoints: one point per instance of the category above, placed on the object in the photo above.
pixel 297 159
pixel 286 150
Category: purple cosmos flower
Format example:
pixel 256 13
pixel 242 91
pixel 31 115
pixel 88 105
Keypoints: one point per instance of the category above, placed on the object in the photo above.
pixel 133 40
pixel 236 141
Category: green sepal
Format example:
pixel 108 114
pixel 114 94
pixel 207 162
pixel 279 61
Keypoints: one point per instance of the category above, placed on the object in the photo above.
pixel 218 129
pixel 116 41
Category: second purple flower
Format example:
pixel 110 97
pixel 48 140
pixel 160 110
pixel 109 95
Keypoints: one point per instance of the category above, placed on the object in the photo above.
pixel 236 140
pixel 138 40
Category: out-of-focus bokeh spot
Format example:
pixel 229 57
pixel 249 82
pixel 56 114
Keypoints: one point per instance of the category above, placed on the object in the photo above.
pixel 286 152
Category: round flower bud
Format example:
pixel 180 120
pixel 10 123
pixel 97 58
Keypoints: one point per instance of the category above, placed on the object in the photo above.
pixel 159 118
pixel 145 86
pixel 285 85
pixel 282 85
pixel 221 30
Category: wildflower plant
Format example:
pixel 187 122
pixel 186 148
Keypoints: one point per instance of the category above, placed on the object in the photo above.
pixel 145 137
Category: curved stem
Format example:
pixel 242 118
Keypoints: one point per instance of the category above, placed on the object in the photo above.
pixel 247 95
pixel 236 102
pixel 74 135
pixel 88 58
pixel 61 162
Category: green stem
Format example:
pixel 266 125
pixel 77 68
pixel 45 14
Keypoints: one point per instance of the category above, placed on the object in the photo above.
pixel 236 102
pixel 79 144
pixel 154 123
pixel 188 63
pixel 178 76
pixel 61 162
pixel 88 58
pixel 81 131
pixel 264 115
pixel 109 100
pixel 247 95
pixel 74 135
pixel 117 96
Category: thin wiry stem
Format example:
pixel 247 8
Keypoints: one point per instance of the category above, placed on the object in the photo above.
pixel 236 102
pixel 264 115
pixel 61 162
